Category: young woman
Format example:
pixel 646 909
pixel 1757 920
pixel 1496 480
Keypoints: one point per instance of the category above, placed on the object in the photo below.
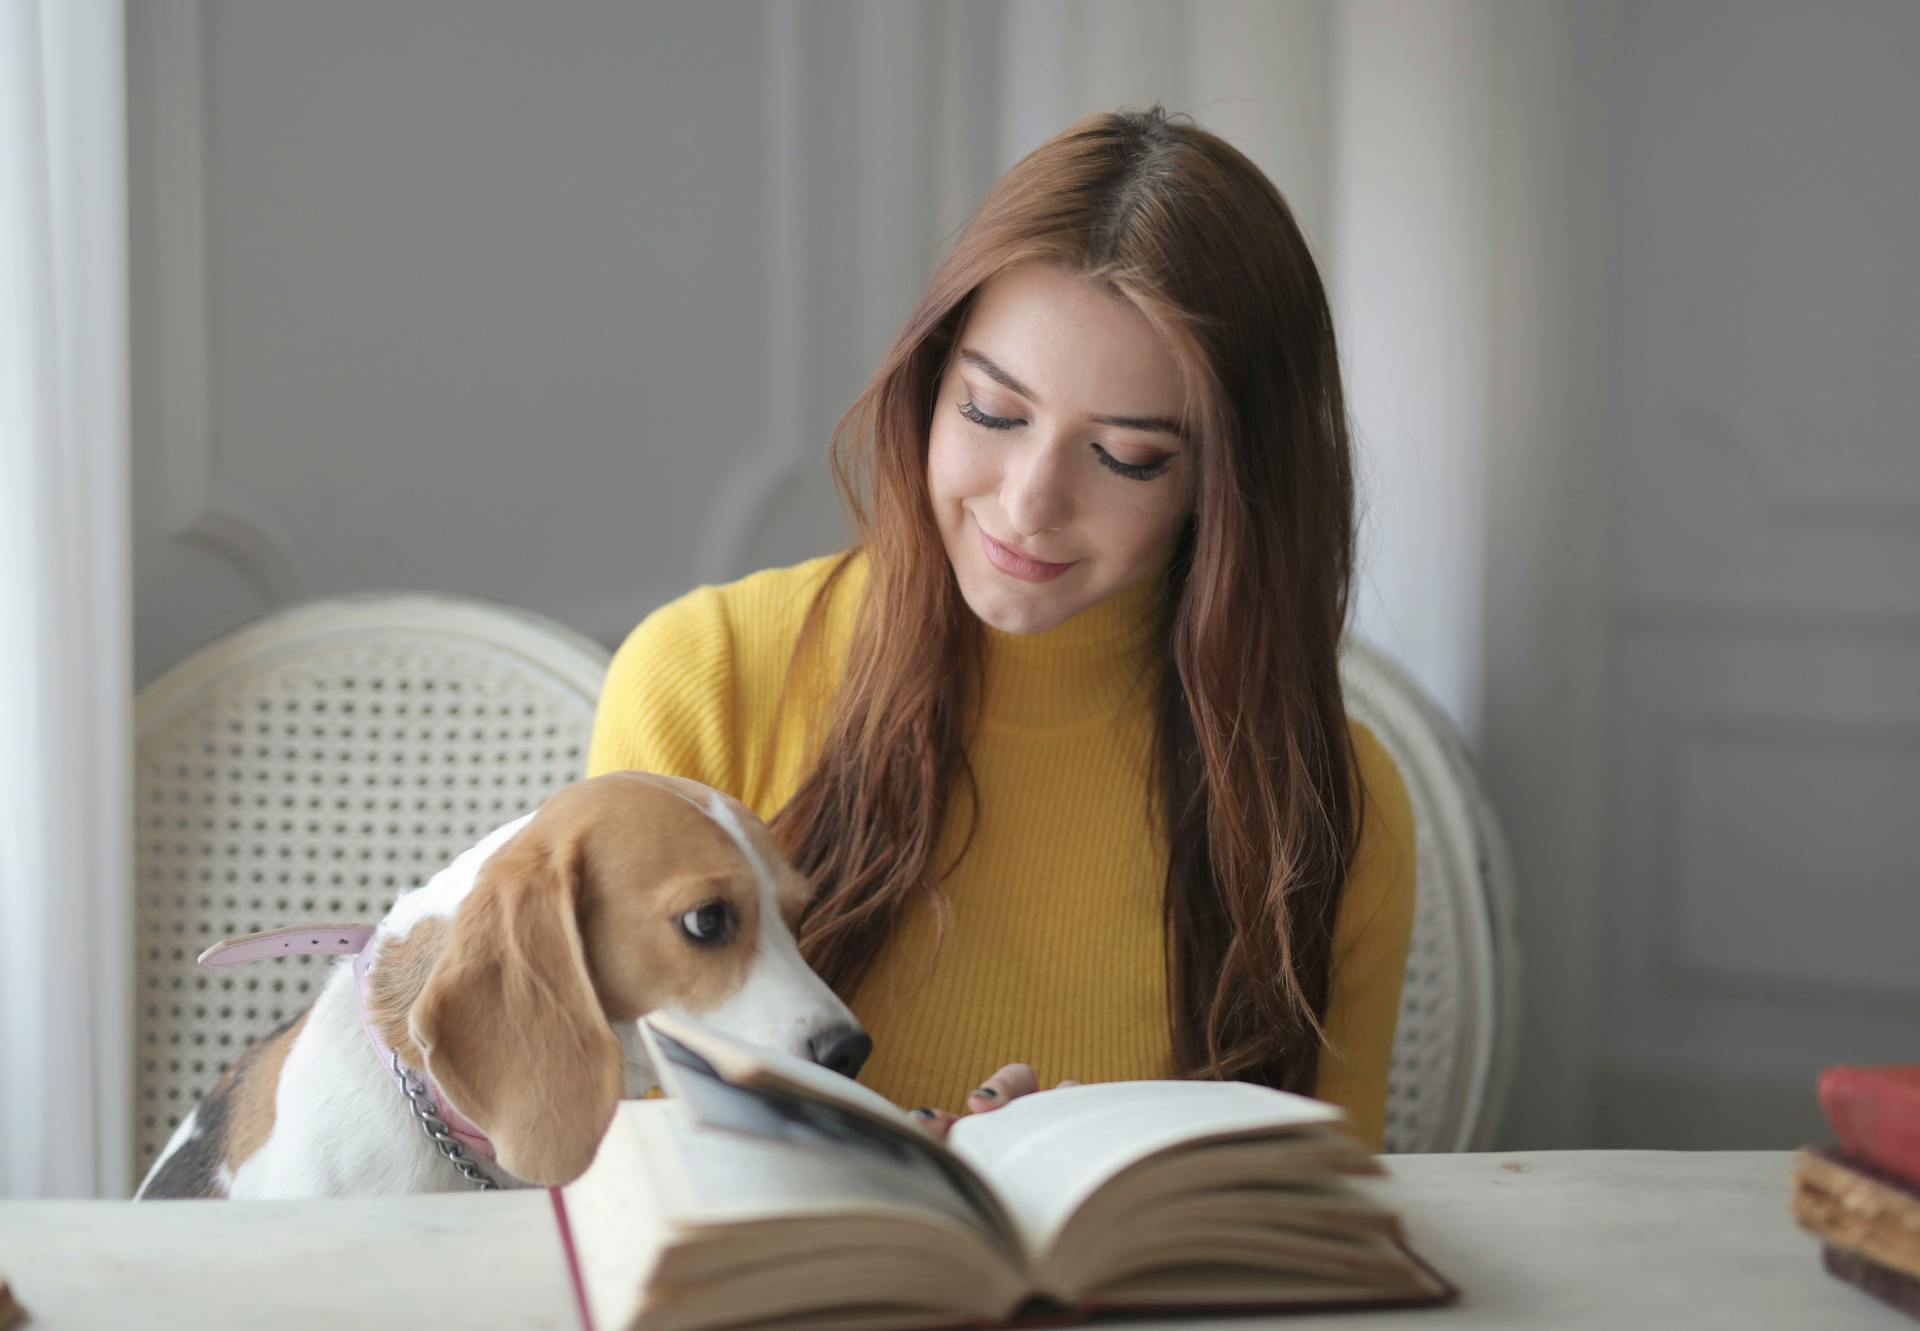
pixel 1061 739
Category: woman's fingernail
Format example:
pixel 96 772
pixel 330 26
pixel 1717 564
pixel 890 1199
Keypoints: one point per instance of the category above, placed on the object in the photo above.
pixel 984 1092
pixel 924 1112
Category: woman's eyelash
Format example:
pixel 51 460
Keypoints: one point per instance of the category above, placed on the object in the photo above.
pixel 1132 471
pixel 1136 471
pixel 979 417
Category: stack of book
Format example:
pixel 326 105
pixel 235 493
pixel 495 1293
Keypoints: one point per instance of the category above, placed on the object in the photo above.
pixel 1862 1198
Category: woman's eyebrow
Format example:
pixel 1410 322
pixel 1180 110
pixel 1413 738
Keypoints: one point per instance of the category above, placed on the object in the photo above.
pixel 1158 424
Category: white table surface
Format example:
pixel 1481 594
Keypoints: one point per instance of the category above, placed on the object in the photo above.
pixel 1577 1239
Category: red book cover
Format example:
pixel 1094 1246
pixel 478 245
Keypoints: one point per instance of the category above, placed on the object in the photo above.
pixel 1875 1112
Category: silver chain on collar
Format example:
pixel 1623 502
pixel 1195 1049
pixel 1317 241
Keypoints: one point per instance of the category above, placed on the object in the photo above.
pixel 436 1127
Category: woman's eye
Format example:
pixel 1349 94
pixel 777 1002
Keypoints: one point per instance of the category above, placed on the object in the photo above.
pixel 707 924
pixel 1135 471
pixel 979 417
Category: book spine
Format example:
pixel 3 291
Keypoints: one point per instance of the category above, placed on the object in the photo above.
pixel 1890 1287
pixel 1848 1204
pixel 1875 1112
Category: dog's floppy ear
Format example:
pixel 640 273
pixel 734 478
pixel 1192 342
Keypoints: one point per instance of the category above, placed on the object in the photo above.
pixel 508 1023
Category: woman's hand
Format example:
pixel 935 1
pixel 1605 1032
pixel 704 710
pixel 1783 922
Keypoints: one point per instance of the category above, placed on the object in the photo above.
pixel 1008 1084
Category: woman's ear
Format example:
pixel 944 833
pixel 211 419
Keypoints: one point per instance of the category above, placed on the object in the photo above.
pixel 508 1023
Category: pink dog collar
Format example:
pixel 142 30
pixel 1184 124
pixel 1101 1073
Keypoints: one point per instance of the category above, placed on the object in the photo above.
pixel 296 940
pixel 342 940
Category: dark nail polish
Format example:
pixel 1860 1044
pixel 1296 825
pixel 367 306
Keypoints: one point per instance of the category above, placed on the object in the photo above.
pixel 984 1092
pixel 924 1112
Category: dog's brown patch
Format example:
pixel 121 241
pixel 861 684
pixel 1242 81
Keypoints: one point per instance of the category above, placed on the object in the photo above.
pixel 252 1086
pixel 230 1123
pixel 400 971
pixel 573 924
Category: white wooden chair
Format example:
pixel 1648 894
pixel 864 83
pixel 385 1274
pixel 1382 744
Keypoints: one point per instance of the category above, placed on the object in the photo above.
pixel 320 761
pixel 312 766
pixel 1453 1052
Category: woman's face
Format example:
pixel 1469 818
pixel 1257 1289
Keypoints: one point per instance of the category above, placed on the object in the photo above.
pixel 1057 470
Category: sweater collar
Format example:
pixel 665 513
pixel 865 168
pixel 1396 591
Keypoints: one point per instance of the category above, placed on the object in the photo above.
pixel 1083 670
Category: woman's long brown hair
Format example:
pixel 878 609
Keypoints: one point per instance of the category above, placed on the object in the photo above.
pixel 1255 782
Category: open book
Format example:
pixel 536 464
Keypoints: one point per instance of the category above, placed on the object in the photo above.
pixel 766 1191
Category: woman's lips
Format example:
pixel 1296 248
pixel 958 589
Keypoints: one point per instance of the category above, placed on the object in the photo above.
pixel 1017 565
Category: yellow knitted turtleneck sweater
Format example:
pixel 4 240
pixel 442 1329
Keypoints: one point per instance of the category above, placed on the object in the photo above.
pixel 1053 954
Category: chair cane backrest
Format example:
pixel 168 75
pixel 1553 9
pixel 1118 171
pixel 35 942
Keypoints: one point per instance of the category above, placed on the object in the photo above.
pixel 322 760
pixel 1453 1049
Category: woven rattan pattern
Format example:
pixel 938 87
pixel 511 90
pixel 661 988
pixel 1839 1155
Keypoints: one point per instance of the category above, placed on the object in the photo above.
pixel 1426 1044
pixel 317 788
pixel 319 785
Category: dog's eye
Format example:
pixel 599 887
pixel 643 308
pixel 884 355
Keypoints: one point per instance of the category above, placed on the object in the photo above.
pixel 710 923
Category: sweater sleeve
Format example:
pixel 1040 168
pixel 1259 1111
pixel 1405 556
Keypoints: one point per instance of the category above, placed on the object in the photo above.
pixel 1372 933
pixel 668 702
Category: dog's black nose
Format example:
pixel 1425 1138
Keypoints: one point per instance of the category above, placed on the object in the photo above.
pixel 843 1049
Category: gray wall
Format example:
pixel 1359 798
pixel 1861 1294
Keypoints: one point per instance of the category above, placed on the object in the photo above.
pixel 482 294
pixel 1764 765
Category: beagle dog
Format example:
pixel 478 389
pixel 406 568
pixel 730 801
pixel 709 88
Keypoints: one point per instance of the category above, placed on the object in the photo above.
pixel 483 1031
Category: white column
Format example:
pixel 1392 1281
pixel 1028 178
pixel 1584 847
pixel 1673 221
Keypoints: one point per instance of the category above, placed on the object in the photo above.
pixel 66 676
pixel 1411 257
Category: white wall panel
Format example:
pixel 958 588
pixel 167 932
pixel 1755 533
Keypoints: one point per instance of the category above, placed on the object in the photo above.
pixel 1766 601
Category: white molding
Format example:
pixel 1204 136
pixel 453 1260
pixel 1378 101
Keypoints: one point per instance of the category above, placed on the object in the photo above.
pixel 1784 495
pixel 1673 617
pixel 243 544
pixel 1260 76
pixel 181 345
pixel 916 161
pixel 1684 978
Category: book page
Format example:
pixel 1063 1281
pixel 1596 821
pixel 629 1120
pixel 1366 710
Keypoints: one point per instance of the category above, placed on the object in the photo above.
pixel 612 1217
pixel 678 1226
pixel 731 1087
pixel 709 1177
pixel 1045 1154
pixel 744 1064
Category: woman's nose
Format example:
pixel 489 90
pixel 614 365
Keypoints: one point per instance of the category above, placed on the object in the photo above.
pixel 1036 494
